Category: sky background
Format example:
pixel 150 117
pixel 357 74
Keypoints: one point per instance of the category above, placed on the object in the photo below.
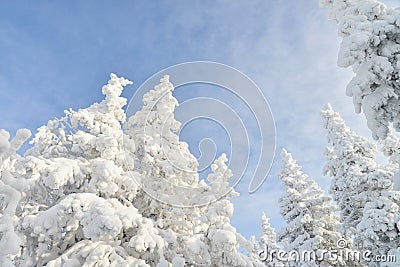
pixel 56 55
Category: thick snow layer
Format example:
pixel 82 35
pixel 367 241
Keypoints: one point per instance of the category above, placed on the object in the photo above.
pixel 370 45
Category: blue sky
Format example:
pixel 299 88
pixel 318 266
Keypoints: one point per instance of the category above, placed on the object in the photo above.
pixel 57 54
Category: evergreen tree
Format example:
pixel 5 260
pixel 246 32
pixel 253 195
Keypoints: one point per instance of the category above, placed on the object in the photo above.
pixel 350 159
pixel 75 207
pixel 310 217
pixel 11 189
pixel 222 237
pixel 362 188
pixel 267 235
pixel 166 162
pixel 378 230
pixel 173 195
pixel 76 199
pixel 370 45
pixel 168 169
pixel 268 243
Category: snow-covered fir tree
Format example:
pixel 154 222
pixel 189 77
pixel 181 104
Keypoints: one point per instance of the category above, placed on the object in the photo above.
pixel 309 215
pixel 201 234
pixel 222 237
pixel 168 169
pixel 11 190
pixel 268 243
pixel 370 45
pixel 76 206
pixel 370 34
pixel 75 199
pixel 267 236
pixel 255 254
pixel 378 230
pixel 350 159
pixel 362 188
